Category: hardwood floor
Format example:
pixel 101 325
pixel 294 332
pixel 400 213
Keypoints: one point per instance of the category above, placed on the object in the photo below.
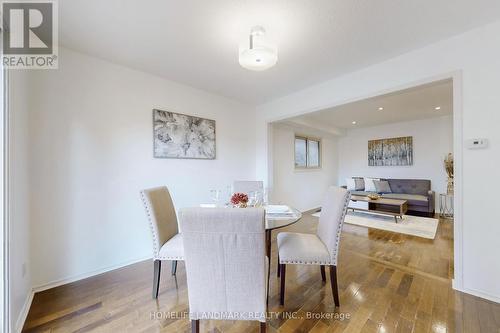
pixel 387 282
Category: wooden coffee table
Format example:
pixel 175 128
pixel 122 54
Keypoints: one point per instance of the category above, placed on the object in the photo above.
pixel 385 206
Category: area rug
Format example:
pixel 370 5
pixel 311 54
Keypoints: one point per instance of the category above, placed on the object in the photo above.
pixel 410 225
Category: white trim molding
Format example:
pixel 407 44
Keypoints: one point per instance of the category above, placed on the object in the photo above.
pixel 476 293
pixel 21 319
pixel 70 279
pixel 458 180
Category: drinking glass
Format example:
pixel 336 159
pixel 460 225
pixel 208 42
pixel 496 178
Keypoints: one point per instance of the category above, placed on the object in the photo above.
pixel 215 195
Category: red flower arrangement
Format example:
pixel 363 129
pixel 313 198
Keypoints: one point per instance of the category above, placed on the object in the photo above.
pixel 239 198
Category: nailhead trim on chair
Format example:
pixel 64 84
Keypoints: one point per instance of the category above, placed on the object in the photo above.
pixel 333 256
pixel 169 258
pixel 148 213
pixel 339 229
pixel 305 262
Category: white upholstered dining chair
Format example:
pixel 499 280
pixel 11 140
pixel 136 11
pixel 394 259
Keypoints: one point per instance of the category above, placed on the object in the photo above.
pixel 247 186
pixel 226 264
pixel 167 241
pixel 316 249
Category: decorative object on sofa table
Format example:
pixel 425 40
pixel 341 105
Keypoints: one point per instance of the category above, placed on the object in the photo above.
pixel 391 152
pixel 448 167
pixel 373 196
pixel 239 200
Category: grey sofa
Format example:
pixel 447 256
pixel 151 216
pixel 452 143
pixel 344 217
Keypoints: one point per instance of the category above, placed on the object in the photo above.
pixel 418 192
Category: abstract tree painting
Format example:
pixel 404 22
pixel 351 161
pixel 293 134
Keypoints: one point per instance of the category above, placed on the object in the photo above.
pixel 391 152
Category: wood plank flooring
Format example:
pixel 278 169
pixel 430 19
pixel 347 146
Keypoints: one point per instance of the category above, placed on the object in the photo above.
pixel 388 282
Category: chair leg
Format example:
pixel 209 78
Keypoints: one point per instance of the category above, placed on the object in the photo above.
pixel 156 278
pixel 335 287
pixel 282 291
pixel 323 275
pixel 262 327
pixel 268 282
pixel 278 268
pixel 174 267
pixel 195 326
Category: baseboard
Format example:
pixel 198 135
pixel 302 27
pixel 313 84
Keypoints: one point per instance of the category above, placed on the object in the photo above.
pixel 477 293
pixel 24 312
pixel 310 211
pixel 60 282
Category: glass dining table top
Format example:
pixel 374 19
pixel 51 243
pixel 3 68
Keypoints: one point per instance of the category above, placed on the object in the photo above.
pixel 276 221
pixel 276 216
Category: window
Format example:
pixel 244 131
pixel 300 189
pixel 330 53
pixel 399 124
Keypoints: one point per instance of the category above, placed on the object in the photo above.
pixel 307 152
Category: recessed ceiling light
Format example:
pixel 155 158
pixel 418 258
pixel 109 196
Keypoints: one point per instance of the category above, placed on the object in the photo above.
pixel 437 108
pixel 354 123
pixel 380 108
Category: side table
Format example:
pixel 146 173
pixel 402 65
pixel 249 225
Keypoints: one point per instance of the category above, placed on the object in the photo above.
pixel 446 205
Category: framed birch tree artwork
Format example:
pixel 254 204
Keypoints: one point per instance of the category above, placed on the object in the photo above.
pixel 391 152
pixel 179 135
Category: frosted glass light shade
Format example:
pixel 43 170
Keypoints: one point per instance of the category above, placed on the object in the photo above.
pixel 258 58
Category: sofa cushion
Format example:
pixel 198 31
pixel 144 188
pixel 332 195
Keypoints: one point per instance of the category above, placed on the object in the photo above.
pixel 360 184
pixel 413 199
pixel 351 184
pixel 370 185
pixel 362 193
pixel 382 186
pixel 410 186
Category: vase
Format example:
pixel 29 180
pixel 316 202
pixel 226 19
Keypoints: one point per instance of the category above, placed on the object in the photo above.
pixel 449 187
pixel 242 205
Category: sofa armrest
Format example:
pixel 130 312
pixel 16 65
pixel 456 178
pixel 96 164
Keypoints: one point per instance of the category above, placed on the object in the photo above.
pixel 344 186
pixel 431 195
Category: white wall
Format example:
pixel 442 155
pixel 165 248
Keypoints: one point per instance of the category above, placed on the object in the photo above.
pixel 473 59
pixel 19 250
pixel 91 154
pixel 432 141
pixel 302 189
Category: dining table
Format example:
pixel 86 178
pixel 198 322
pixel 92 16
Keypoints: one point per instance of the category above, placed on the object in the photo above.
pixel 279 216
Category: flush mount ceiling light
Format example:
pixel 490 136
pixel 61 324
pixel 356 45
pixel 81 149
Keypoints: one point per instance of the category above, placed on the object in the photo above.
pixel 437 108
pixel 354 123
pixel 259 54
pixel 380 108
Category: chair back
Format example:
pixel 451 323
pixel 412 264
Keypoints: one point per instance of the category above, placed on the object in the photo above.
pixel 224 253
pixel 332 216
pixel 247 186
pixel 161 215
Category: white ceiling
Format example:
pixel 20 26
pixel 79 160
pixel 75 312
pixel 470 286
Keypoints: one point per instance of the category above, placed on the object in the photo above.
pixel 195 42
pixel 405 105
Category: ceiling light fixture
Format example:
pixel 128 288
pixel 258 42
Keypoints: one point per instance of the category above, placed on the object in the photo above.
pixel 260 54
pixel 437 108
pixel 380 108
pixel 354 123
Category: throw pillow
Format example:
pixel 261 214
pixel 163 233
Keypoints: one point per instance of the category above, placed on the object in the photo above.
pixel 382 186
pixel 360 184
pixel 351 184
pixel 370 185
